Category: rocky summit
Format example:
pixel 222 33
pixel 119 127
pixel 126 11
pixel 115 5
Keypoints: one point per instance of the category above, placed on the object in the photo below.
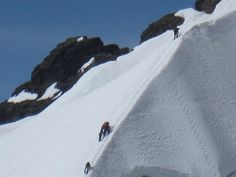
pixel 61 66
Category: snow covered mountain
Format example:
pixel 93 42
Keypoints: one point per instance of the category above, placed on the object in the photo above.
pixel 57 73
pixel 171 104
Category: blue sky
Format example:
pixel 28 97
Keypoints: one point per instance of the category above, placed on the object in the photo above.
pixel 31 28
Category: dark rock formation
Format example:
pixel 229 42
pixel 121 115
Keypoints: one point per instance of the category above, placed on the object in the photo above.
pixel 61 66
pixel 64 62
pixel 207 6
pixel 168 22
pixel 10 112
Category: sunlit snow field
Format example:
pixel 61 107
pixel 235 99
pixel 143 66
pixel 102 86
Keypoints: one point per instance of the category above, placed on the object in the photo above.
pixel 171 104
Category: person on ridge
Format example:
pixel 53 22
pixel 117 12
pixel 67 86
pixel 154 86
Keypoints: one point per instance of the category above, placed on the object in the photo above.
pixel 176 32
pixel 87 168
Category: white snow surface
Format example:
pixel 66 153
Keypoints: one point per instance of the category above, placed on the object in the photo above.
pixel 50 92
pixel 171 104
pixel 22 96
pixel 80 39
pixel 87 64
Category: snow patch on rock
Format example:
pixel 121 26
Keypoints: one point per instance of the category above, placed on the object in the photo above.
pixel 86 65
pixel 22 96
pixel 80 39
pixel 50 92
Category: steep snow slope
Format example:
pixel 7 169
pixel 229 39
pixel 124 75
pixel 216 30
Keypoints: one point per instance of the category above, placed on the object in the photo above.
pixel 185 119
pixel 61 139
pixel 171 103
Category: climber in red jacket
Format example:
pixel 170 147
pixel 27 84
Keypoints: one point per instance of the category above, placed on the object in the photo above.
pixel 105 130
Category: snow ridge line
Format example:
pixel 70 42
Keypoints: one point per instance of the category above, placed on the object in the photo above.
pixel 135 95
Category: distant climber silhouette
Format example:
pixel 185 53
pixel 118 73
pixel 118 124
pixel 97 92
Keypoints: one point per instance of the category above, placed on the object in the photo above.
pixel 176 32
pixel 87 168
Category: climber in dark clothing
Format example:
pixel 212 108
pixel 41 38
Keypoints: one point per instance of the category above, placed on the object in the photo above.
pixel 176 32
pixel 87 168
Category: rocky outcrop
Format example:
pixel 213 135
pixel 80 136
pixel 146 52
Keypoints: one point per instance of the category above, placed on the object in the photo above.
pixel 10 112
pixel 64 62
pixel 168 22
pixel 207 6
pixel 61 66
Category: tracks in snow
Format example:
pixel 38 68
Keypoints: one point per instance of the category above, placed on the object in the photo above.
pixel 129 101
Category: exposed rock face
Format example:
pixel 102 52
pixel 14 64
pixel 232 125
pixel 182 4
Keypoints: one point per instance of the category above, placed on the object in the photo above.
pixel 61 66
pixel 168 22
pixel 10 112
pixel 207 6
pixel 64 62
